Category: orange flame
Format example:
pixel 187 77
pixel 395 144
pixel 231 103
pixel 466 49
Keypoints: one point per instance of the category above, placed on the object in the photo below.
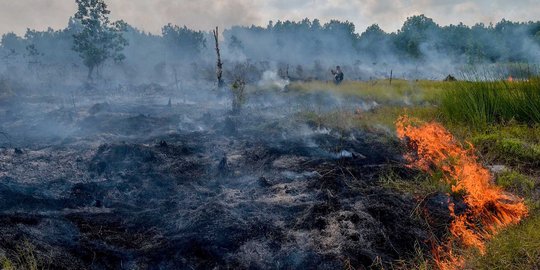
pixel 489 208
pixel 510 78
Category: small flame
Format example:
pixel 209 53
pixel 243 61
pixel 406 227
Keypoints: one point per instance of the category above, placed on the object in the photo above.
pixel 510 78
pixel 489 208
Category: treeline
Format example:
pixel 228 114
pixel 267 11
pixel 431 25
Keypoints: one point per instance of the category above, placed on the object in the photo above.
pixel 418 38
pixel 303 49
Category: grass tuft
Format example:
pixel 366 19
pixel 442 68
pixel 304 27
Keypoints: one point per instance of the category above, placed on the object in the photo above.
pixel 481 103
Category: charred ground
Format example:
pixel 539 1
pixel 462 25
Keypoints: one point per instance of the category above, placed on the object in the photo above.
pixel 109 182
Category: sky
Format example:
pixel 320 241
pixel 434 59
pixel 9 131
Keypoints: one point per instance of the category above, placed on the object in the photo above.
pixel 150 15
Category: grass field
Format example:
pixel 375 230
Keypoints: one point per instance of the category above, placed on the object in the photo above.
pixel 502 120
pixel 398 92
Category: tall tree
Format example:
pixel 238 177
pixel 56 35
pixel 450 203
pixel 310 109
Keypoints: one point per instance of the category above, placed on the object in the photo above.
pixel 99 39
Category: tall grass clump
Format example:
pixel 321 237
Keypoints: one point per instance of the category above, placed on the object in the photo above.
pixel 480 103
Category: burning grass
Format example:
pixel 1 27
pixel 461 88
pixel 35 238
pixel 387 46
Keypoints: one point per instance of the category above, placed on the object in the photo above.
pixel 509 144
pixel 514 145
pixel 488 208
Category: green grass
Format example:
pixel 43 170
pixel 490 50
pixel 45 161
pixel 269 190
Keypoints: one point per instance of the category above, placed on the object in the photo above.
pixel 517 247
pixel 381 119
pixel 516 182
pixel 482 103
pixel 24 257
pixel 510 150
pixel 400 92
pixel 511 143
pixel 6 264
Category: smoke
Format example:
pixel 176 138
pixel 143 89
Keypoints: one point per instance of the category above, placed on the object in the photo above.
pixel 270 79
pixel 204 15
pixel 303 50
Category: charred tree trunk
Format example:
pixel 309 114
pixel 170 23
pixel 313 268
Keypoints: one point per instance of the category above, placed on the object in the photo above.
pixel 219 70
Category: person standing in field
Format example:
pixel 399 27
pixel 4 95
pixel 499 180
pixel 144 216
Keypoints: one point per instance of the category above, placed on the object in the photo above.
pixel 338 75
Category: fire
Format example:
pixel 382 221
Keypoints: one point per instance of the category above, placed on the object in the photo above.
pixel 489 208
pixel 510 78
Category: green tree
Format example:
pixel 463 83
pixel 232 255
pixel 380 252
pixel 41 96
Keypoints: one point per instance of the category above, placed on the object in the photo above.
pixel 373 41
pixel 99 39
pixel 415 31
pixel 184 41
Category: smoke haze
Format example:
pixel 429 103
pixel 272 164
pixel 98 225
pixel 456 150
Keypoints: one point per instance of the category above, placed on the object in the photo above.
pixel 203 15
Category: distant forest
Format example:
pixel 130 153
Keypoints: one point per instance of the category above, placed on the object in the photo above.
pixel 303 49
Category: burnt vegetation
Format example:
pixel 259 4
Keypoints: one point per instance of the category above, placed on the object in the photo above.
pixel 121 149
pixel 265 197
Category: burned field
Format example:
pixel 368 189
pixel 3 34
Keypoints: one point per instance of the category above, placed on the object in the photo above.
pixel 138 184
pixel 296 145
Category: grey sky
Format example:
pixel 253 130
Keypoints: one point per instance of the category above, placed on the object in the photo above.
pixel 151 15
